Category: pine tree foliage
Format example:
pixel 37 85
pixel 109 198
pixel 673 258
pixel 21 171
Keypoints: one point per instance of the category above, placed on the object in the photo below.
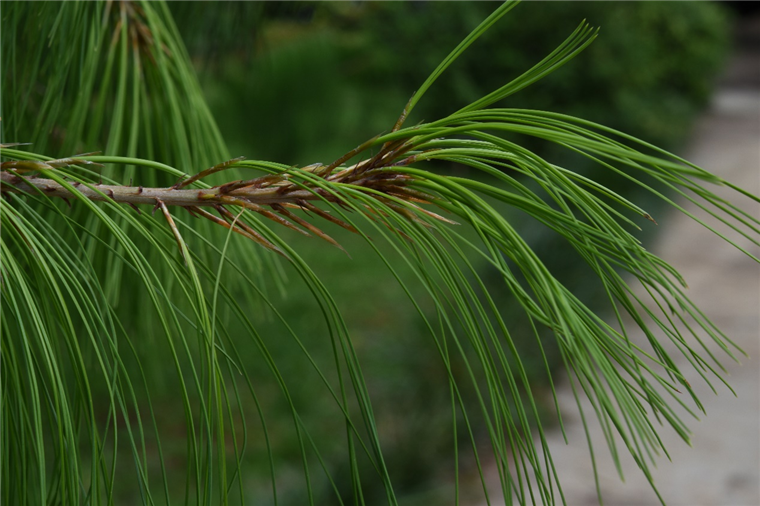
pixel 98 292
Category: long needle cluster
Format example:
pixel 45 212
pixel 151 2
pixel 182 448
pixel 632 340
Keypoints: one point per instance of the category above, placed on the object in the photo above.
pixel 65 327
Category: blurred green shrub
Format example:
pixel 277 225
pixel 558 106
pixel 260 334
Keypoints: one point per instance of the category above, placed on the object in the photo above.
pixel 649 73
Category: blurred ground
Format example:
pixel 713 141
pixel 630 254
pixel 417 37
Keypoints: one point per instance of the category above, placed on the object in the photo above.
pixel 723 466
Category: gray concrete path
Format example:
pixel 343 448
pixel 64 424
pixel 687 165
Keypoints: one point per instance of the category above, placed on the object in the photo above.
pixel 723 466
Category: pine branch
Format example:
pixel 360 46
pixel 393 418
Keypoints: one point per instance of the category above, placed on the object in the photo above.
pixel 269 195
pixel 62 291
